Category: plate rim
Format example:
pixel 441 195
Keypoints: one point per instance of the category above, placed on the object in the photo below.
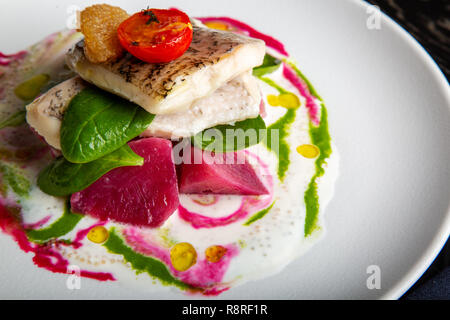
pixel 443 233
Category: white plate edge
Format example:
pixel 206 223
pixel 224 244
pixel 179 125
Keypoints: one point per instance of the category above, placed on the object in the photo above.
pixel 442 235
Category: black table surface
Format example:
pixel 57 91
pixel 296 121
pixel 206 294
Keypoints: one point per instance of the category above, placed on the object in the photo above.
pixel 429 22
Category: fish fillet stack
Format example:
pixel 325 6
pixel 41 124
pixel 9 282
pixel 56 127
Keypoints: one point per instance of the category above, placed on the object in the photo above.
pixel 210 84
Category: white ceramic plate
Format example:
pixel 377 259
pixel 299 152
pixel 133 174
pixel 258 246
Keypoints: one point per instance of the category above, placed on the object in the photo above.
pixel 389 116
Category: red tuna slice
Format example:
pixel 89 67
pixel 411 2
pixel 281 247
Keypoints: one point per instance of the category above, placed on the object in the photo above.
pixel 204 176
pixel 142 196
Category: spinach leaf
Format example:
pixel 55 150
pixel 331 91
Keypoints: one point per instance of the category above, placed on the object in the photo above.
pixel 270 64
pixel 97 123
pixel 14 120
pixel 62 178
pixel 227 138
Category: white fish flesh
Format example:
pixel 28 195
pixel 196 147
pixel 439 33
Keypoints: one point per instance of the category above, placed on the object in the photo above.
pixel 237 100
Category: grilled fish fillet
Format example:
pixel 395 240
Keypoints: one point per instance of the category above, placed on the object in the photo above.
pixel 236 100
pixel 214 58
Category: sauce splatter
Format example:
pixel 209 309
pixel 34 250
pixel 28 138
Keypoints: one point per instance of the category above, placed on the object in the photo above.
pixel 30 89
pixel 45 255
pixel 204 277
pixel 215 253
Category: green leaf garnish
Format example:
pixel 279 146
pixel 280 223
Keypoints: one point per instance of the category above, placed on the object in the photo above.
pixel 97 123
pixel 270 64
pixel 152 17
pixel 228 138
pixel 62 178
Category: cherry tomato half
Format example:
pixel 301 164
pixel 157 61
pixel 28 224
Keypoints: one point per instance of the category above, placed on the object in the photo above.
pixel 156 35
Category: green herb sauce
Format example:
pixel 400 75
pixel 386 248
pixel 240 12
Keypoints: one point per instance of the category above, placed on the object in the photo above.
pixel 141 263
pixel 13 178
pixel 62 226
pixel 282 125
pixel 320 137
pixel 258 215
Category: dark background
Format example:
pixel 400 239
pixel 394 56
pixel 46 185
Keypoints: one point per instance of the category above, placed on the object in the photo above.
pixel 429 22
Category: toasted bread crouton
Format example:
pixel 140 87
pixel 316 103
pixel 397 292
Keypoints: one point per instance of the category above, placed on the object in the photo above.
pixel 99 24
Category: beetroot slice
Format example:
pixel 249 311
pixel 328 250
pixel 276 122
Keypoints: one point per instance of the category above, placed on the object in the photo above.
pixel 141 196
pixel 237 178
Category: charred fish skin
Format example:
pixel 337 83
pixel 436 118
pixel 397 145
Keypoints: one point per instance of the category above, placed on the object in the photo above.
pixel 214 58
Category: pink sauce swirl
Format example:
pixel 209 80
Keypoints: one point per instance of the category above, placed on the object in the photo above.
pixel 45 255
pixel 36 225
pixel 251 32
pixel 311 104
pixel 6 59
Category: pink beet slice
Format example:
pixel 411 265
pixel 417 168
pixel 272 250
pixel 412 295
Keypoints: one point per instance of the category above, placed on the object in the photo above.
pixel 142 196
pixel 219 178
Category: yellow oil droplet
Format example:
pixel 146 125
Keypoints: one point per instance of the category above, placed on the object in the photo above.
pixel 289 100
pixel 285 100
pixel 98 234
pixel 273 100
pixel 216 25
pixel 30 89
pixel 215 253
pixel 183 256
pixel 308 151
